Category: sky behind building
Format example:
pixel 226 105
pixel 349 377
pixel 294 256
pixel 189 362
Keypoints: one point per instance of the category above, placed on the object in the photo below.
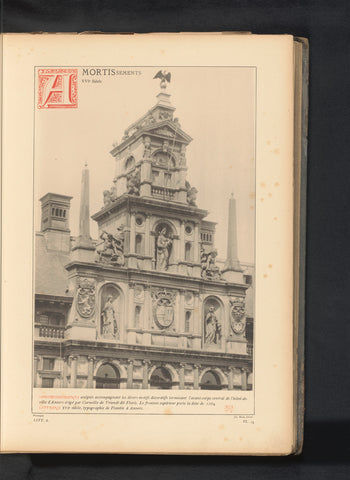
pixel 215 106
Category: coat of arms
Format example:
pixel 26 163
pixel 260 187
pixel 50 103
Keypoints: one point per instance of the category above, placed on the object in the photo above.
pixel 86 298
pixel 163 308
pixel 237 315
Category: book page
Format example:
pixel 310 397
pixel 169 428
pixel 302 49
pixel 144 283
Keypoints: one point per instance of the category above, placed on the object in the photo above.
pixel 147 244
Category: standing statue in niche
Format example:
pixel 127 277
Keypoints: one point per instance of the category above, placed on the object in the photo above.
pixel 164 244
pixel 109 318
pixel 212 328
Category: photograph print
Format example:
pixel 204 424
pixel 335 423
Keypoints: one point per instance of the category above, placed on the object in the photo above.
pixel 144 191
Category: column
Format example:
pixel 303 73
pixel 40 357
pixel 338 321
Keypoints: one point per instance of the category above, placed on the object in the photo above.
pixel 73 372
pixel 181 316
pixel 146 338
pixel 130 334
pixel 132 232
pixel 147 234
pixel 145 187
pixel 129 381
pixel 131 312
pixel 182 241
pixel 182 311
pixel 196 377
pixel 65 372
pixel 36 360
pixel 196 243
pixel 197 330
pixel 244 378
pixel 90 379
pixel 196 314
pixel 181 371
pixel 152 241
pixel 146 365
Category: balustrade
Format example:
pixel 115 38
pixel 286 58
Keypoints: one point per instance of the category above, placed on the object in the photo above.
pixel 51 332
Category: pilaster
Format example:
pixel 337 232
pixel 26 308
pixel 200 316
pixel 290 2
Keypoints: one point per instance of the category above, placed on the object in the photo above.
pixel 130 369
pixel 36 361
pixel 90 380
pixel 146 365
pixel 196 376
pixel 73 371
pixel 244 378
pixel 181 372
pixel 229 373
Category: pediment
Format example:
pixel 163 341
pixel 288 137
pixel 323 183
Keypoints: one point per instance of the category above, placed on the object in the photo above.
pixel 168 130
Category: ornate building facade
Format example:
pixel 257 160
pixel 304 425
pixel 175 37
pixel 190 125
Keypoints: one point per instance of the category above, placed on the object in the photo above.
pixel 146 305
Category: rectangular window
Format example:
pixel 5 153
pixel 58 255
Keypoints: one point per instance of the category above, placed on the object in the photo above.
pixel 56 319
pixel 47 382
pixel 188 322
pixel 167 179
pixel 48 363
pixel 44 319
pixel 155 176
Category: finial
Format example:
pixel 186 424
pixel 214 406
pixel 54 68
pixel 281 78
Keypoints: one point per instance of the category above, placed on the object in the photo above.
pixel 232 195
pixel 85 164
pixel 164 78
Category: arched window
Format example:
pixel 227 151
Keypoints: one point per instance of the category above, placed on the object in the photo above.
pixel 56 212
pixel 188 321
pixel 188 252
pixel 107 376
pixel 210 381
pixel 138 244
pixel 64 213
pixel 137 316
pixel 53 211
pixel 161 379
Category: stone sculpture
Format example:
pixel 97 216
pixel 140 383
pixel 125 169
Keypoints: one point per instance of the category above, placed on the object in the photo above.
pixel 210 271
pixel 212 327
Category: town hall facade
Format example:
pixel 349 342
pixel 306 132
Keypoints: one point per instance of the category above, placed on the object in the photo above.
pixel 147 304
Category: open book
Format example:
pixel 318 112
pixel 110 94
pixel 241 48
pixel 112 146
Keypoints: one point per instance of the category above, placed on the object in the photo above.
pixel 153 228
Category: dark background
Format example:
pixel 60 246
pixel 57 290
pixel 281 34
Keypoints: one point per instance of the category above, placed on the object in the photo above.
pixel 326 24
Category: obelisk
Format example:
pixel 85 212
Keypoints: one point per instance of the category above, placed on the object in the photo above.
pixel 232 263
pixel 84 241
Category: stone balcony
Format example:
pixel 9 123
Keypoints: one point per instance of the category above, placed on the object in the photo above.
pixel 49 333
